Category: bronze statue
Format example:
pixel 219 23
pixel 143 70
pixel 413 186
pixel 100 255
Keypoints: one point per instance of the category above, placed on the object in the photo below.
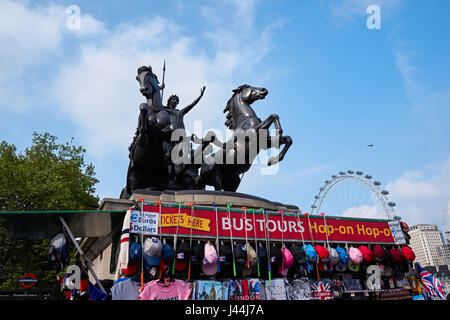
pixel 152 166
pixel 182 176
pixel 245 143
pixel 147 169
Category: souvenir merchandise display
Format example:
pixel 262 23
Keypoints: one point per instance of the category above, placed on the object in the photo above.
pixel 299 289
pixel 211 290
pixel 248 289
pixel 321 289
pixel 242 267
pixel 274 289
pixel 126 289
pixel 171 290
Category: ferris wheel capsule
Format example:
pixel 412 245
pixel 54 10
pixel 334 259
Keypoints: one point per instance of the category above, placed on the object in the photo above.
pixel 327 181
pixel 367 176
pixel 342 173
pixel 359 173
pixel 334 176
pixel 316 197
pixel 350 172
pixel 385 192
pixel 391 204
pixel 377 183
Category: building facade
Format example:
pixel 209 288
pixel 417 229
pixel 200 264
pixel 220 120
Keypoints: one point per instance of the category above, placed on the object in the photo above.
pixel 427 244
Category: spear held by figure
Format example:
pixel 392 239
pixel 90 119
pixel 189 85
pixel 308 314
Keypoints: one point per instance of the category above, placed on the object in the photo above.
pixel 163 85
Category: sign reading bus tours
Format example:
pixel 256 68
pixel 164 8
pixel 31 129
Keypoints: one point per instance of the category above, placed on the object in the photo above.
pixel 208 222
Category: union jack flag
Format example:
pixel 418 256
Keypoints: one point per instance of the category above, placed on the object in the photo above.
pixel 321 290
pixel 431 286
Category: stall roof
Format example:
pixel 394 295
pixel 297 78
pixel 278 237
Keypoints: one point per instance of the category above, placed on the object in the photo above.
pixel 35 225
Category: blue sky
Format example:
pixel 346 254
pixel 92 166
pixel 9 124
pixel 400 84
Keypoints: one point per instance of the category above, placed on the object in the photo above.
pixel 336 85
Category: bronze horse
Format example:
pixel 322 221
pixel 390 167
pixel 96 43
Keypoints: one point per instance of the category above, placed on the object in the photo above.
pixel 150 149
pixel 147 169
pixel 249 137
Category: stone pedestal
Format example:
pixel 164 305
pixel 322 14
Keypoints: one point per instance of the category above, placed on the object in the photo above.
pixel 199 197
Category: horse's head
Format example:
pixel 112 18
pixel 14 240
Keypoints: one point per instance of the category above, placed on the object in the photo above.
pixel 250 94
pixel 144 75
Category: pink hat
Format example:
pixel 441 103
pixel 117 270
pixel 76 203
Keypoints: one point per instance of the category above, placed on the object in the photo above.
pixel 355 255
pixel 209 264
pixel 287 262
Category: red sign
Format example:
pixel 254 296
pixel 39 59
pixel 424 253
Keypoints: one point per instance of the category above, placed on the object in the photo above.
pixel 246 224
pixel 28 280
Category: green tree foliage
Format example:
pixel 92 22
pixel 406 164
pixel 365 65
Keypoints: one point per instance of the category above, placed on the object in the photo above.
pixel 46 176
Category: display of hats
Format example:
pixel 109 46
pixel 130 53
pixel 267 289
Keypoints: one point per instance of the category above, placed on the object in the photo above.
pixel 355 255
pixel 152 250
pixel 262 258
pixel 210 260
pixel 366 253
pixel 352 266
pixel 397 255
pixel 408 253
pixel 167 254
pixel 135 252
pixel 153 247
pixel 334 256
pixel 150 262
pixel 275 258
pixel 252 259
pixel 388 259
pixel 286 262
pixel 225 256
pixel 240 254
pixel 378 252
pixel 131 269
pixel 311 253
pixel 340 266
pixel 182 256
pixel 343 255
pixel 322 252
pixel 197 253
pixel 298 254
pixel 262 254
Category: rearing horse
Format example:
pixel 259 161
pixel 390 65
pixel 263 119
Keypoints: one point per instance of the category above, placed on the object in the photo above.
pixel 237 155
pixel 147 169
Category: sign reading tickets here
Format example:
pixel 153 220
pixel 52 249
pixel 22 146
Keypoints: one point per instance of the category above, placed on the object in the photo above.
pixel 207 223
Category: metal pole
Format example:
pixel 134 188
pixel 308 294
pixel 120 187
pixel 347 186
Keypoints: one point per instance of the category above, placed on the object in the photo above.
pixel 81 253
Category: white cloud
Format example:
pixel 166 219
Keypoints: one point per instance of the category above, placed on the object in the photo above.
pixel 100 93
pixel 30 39
pixel 422 195
pixel 364 211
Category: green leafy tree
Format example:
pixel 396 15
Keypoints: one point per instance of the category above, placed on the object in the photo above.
pixel 46 176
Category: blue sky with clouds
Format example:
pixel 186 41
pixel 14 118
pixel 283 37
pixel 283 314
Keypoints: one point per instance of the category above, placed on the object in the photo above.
pixel 336 85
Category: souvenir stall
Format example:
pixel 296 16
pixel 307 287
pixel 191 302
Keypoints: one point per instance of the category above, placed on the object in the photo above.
pixel 181 251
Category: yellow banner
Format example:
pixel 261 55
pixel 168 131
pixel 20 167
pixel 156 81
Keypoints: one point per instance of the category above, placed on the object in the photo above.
pixel 171 220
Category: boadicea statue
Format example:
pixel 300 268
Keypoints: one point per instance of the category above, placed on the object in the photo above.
pixel 161 156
